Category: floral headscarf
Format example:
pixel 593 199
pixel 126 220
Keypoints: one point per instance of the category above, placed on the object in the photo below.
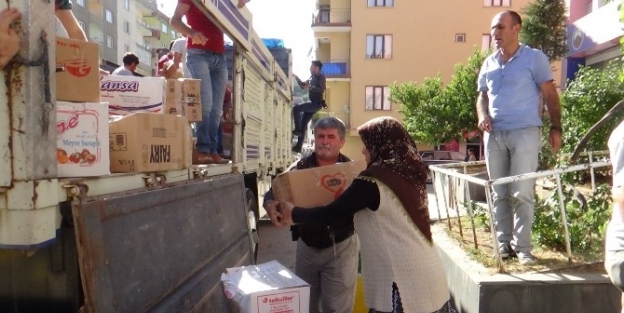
pixel 395 161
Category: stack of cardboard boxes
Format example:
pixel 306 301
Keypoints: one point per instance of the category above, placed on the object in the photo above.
pixel 119 124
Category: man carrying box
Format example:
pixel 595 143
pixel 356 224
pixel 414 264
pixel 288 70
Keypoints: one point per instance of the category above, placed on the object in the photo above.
pixel 327 257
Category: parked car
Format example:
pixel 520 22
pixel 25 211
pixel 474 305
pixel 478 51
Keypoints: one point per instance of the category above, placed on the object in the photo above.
pixel 432 157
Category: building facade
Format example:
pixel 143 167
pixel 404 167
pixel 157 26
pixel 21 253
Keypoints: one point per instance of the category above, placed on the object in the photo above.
pixel 366 46
pixel 125 25
pixel 594 33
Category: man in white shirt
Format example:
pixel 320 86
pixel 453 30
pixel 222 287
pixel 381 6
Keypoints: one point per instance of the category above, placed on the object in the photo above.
pixel 614 238
pixel 179 57
pixel 131 62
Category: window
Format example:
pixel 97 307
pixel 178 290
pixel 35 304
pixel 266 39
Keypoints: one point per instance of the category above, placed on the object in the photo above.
pixel 80 2
pixel 126 47
pixel 460 37
pixel 377 98
pixel 164 28
pixel 486 42
pixel 109 16
pixel 380 3
pixel 497 3
pixel 109 41
pixel 379 46
pixel 126 27
pixel 127 4
pixel 173 33
pixel 82 25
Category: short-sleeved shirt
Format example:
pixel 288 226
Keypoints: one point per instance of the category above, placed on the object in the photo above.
pixel 615 230
pixel 62 5
pixel 122 71
pixel 198 21
pixel 179 46
pixel 513 88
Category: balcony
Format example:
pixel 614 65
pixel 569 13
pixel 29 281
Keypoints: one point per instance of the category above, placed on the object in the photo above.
pixel 331 20
pixel 344 117
pixel 336 70
pixel 595 32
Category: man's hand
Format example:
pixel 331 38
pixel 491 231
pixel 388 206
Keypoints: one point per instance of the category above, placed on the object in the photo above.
pixel 485 124
pixel 198 38
pixel 9 40
pixel 286 209
pixel 272 208
pixel 241 4
pixel 554 139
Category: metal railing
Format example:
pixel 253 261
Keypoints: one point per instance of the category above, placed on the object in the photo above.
pixel 454 180
pixel 329 17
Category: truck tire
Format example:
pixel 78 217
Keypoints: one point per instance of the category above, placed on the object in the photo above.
pixel 253 209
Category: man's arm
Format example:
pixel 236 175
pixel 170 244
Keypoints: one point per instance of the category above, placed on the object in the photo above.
pixel 68 20
pixel 549 93
pixel 484 123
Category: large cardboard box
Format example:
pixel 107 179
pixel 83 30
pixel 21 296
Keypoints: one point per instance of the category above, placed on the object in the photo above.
pixel 77 70
pixel 265 288
pixel 145 142
pixel 183 97
pixel 316 186
pixel 130 94
pixel 82 139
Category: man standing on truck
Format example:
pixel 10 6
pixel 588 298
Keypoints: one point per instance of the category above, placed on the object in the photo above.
pixel 205 60
pixel 327 257
pixel 303 112
pixel 508 109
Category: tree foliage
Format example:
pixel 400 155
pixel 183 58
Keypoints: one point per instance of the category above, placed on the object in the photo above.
pixel 544 27
pixel 434 112
pixel 586 100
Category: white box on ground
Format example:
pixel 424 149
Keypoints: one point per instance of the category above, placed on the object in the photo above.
pixel 266 288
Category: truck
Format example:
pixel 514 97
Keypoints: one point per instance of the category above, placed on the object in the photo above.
pixel 131 242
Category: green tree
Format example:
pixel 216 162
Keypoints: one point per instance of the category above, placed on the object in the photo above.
pixel 434 112
pixel 586 100
pixel 544 27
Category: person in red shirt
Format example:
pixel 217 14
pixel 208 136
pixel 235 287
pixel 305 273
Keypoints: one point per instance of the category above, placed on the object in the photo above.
pixel 205 60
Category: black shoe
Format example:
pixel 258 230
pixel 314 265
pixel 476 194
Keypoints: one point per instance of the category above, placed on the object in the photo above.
pixel 505 251
pixel 296 149
pixel 297 133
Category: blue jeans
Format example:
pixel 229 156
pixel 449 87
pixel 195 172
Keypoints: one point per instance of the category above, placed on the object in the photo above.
pixel 509 153
pixel 211 68
pixel 302 114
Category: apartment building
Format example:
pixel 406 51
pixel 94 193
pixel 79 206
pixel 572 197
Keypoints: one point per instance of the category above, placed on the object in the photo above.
pixel 594 33
pixel 366 46
pixel 125 25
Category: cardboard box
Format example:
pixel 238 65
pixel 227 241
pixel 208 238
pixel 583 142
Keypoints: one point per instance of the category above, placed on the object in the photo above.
pixel 145 142
pixel 316 186
pixel 183 97
pixel 191 99
pixel 77 70
pixel 129 94
pixel 173 97
pixel 82 139
pixel 266 288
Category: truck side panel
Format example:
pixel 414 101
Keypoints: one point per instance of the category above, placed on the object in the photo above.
pixel 161 250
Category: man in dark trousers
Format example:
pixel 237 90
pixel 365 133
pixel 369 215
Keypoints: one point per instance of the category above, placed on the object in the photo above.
pixel 327 257
pixel 303 112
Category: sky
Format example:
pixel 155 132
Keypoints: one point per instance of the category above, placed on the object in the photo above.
pixel 288 20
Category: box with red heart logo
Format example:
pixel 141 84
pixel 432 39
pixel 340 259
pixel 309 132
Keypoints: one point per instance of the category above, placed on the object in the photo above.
pixel 316 186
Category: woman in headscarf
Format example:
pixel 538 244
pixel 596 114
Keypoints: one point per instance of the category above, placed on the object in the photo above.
pixel 400 265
